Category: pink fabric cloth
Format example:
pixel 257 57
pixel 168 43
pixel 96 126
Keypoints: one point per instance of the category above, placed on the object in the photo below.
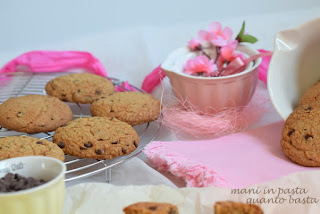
pixel 263 68
pixel 153 79
pixel 59 61
pixel 125 86
pixel 234 161
pixel 54 61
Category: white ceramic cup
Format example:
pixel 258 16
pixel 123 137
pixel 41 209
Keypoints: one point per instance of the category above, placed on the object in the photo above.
pixel 47 198
pixel 294 66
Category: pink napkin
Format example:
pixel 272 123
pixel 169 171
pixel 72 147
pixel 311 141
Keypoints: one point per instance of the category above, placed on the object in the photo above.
pixel 233 161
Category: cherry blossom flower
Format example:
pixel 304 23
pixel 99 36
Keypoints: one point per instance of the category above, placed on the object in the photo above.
pixel 217 36
pixel 215 51
pixel 194 44
pixel 228 50
pixel 200 65
pixel 203 35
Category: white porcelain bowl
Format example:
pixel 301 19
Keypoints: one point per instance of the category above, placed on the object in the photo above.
pixel 294 66
pixel 47 198
pixel 211 94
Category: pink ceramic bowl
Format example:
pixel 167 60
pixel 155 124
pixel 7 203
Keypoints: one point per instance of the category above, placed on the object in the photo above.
pixel 211 94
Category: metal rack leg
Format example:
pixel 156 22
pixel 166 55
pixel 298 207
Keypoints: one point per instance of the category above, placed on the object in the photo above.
pixel 108 175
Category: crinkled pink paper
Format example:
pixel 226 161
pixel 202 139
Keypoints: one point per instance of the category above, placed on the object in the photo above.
pixel 194 173
pixel 59 61
pixel 234 161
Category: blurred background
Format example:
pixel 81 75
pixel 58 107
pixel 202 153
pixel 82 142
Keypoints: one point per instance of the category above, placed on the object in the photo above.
pixel 35 23
pixel 131 37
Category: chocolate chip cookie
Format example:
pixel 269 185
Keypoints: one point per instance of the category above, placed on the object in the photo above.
pixel 311 95
pixel 228 207
pixel 96 137
pixel 79 87
pixel 132 107
pixel 301 135
pixel 34 113
pixel 17 146
pixel 151 208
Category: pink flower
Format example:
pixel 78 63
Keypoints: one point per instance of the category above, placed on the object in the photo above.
pixel 203 35
pixel 228 50
pixel 227 54
pixel 217 36
pixel 200 64
pixel 194 43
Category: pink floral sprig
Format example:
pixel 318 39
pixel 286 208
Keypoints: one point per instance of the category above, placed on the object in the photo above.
pixel 201 65
pixel 215 51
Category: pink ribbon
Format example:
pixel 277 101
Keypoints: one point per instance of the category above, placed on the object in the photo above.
pixel 125 86
pixel 153 79
pixel 54 61
pixel 263 68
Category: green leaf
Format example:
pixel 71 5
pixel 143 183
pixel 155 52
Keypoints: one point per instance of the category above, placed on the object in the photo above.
pixel 248 38
pixel 240 34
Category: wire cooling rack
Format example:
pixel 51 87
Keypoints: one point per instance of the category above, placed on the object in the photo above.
pixel 20 84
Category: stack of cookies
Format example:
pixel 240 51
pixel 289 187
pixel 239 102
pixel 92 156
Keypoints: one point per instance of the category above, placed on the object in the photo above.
pixel 106 135
pixel 301 132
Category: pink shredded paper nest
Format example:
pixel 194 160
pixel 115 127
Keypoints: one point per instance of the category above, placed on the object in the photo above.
pixel 189 121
